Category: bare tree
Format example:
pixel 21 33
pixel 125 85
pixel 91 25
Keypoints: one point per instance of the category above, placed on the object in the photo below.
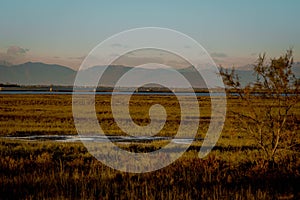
pixel 269 105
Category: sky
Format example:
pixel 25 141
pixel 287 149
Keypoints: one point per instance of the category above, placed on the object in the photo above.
pixel 234 32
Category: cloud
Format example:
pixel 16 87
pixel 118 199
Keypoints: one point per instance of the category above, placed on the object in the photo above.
pixel 13 54
pixel 116 45
pixel 16 51
pixel 119 45
pixel 218 55
pixel 77 58
pixel 235 61
pixel 114 55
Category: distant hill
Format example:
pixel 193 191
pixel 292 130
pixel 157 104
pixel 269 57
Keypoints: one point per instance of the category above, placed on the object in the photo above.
pixel 114 73
pixel 37 74
pixel 45 74
pixel 31 73
pixel 246 72
pixel 296 69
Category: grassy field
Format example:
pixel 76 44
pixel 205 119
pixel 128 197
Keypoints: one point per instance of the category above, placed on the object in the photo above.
pixel 235 169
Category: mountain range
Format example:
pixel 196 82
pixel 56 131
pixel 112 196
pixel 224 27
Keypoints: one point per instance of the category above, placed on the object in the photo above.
pixel 36 73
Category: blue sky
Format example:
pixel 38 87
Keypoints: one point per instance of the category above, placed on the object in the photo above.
pixel 63 32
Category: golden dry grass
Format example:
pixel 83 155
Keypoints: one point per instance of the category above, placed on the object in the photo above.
pixel 235 169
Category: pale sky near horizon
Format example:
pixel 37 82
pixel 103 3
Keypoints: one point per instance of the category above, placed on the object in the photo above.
pixel 63 32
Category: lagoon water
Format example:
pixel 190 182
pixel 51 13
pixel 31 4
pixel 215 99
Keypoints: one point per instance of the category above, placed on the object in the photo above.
pixel 204 94
pixel 118 139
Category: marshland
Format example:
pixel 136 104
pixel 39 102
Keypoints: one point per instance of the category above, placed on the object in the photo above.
pixel 237 168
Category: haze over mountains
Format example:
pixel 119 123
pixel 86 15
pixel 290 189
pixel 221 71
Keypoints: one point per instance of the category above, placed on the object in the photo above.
pixel 50 74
